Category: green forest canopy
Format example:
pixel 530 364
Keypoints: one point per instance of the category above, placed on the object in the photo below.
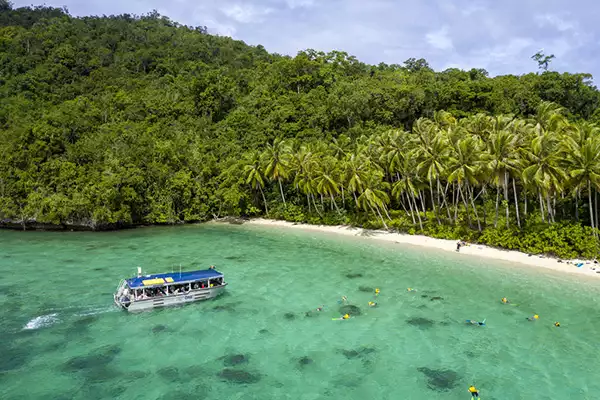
pixel 119 120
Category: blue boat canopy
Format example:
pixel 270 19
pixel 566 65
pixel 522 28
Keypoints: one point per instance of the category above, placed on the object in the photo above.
pixel 171 278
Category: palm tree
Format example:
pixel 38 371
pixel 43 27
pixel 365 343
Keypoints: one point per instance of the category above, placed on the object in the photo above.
pixel 464 168
pixel 276 159
pixel 253 174
pixel 584 160
pixel 374 199
pixel 327 180
pixel 544 171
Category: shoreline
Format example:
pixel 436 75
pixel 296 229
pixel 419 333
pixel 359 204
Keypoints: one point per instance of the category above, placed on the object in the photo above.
pixel 566 266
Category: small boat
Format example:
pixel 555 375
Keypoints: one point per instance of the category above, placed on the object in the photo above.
pixel 162 290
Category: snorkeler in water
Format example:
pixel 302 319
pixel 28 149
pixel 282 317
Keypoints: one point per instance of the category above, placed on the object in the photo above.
pixel 376 292
pixel 472 322
pixel 345 316
pixel 505 300
pixel 474 392
pixel 320 308
pixel 372 304
pixel 533 317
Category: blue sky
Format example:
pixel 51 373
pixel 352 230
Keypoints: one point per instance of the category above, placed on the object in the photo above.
pixel 499 35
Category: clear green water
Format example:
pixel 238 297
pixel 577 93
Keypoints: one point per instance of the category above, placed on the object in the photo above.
pixel 409 347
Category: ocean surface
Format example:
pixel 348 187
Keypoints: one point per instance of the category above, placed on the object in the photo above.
pixel 62 338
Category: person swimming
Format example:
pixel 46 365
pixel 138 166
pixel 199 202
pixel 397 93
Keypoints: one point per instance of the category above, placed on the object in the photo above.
pixel 557 324
pixel 345 316
pixel 376 292
pixel 505 300
pixel 474 392
pixel 533 317
pixel 472 322
pixel 411 289
pixel 320 308
pixel 372 304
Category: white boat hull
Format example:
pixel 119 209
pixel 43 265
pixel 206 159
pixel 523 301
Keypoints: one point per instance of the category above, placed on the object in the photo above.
pixel 172 300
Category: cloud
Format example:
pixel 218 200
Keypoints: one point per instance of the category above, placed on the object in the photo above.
pixel 440 39
pixel 246 13
pixel 500 36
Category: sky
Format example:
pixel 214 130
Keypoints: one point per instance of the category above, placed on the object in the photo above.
pixel 497 35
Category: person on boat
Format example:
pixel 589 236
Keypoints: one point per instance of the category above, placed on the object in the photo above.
pixel 557 324
pixel 533 317
pixel 505 300
pixel 212 267
pixel 474 392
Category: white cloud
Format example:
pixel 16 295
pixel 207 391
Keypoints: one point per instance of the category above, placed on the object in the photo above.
pixel 246 13
pixel 300 3
pixel 555 21
pixel 440 39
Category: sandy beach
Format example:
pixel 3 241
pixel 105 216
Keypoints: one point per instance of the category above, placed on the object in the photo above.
pixel 568 266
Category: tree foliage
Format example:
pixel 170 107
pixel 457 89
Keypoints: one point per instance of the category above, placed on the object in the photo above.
pixel 120 120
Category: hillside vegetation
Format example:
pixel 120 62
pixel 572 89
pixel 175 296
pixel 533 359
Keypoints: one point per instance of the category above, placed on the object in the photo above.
pixel 122 120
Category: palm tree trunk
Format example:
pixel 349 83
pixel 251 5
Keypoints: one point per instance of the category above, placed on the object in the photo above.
pixel 474 208
pixel 334 203
pixel 591 208
pixel 435 211
pixel 596 208
pixel 411 209
pixel 541 206
pixel 577 205
pixel 483 198
pixel 343 200
pixel 417 210
pixel 516 203
pixel 525 201
pixel 401 201
pixel 281 190
pixel 315 204
pixel 378 213
pixel 497 204
pixel 422 203
pixel 355 199
pixel 506 198
pixel 264 200
pixel 308 201
pixel 446 202
pixel 549 207
pixel 462 195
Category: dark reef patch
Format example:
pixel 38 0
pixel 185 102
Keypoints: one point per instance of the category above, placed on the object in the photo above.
pixel 366 289
pixel 238 376
pixel 289 315
pixel 420 322
pixel 234 359
pixel 304 361
pixel 354 275
pixel 159 328
pixel 350 309
pixel 436 298
pixel 440 379
pixel 170 374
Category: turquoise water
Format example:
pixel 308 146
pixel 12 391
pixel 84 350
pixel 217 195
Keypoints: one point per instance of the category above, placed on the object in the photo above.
pixel 63 339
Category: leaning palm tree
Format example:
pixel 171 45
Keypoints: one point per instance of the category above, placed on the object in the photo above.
pixel 276 159
pixel 374 200
pixel 253 175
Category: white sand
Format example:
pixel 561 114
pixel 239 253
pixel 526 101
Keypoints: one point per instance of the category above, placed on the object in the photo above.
pixel 447 245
